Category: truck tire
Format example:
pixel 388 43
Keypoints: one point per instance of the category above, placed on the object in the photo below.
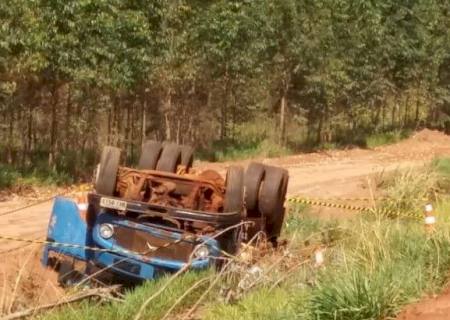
pixel 234 190
pixel 105 183
pixel 170 158
pixel 150 153
pixel 253 177
pixel 187 156
pixel 271 195
pixel 275 212
pixel 285 184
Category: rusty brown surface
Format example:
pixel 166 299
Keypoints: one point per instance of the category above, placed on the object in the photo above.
pixel 204 192
pixel 141 241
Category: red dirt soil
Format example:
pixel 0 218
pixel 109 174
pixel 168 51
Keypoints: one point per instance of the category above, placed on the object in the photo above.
pixel 25 283
pixel 435 308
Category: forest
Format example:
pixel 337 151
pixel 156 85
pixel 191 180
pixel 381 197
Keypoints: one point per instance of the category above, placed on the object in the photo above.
pixel 258 77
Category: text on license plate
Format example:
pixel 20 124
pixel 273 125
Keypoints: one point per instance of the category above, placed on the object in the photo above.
pixel 113 204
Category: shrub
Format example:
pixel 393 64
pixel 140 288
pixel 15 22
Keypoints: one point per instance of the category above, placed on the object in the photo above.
pixel 389 137
pixel 8 176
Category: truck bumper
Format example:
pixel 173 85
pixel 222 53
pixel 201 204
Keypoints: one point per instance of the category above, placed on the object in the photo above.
pixel 72 236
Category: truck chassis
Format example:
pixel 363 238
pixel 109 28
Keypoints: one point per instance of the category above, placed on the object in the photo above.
pixel 139 223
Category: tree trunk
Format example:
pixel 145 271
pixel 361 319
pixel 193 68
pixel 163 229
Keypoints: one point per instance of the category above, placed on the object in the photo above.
pixel 394 109
pixel 144 120
pixel 283 106
pixel 416 120
pixel 53 128
pixel 68 125
pixel 28 145
pixel 319 129
pixel 127 139
pixel 10 135
pixel 167 105
pixel 223 116
pixel 108 137
pixel 406 107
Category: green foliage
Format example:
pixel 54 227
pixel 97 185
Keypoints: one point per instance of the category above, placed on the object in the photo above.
pixel 225 151
pixel 379 139
pixel 75 75
pixel 442 166
pixel 383 268
pixel 278 304
pixel 8 176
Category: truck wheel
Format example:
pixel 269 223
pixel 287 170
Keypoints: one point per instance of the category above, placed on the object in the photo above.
pixel 253 178
pixel 187 156
pixel 107 171
pixel 234 190
pixel 170 158
pixel 149 155
pixel 285 184
pixel 274 211
pixel 271 196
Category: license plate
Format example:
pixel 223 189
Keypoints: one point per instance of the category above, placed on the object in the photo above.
pixel 113 204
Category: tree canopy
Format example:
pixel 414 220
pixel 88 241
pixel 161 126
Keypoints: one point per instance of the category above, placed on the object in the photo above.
pixel 77 74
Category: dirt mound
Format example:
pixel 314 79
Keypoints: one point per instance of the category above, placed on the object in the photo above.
pixel 431 135
pixel 437 308
pixel 423 145
pixel 26 283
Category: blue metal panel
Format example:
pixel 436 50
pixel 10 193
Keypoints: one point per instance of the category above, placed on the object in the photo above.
pixel 162 263
pixel 123 266
pixel 66 226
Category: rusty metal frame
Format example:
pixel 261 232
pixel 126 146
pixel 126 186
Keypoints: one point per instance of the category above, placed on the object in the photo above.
pixel 156 187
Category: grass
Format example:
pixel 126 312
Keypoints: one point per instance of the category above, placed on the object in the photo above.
pixel 371 274
pixel 383 138
pixel 8 176
pixel 258 139
pixel 235 150
pixel 135 298
pixel 375 265
pixel 11 177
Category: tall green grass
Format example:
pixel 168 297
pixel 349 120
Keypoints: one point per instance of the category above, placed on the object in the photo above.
pixel 389 137
pixel 11 177
pixel 8 176
pixel 135 298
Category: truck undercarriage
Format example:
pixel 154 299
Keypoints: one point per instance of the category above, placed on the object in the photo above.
pixel 139 223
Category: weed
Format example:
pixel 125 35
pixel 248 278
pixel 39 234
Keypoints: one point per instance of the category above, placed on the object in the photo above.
pixel 8 176
pixel 409 189
pixel 442 166
pixel 235 150
pixel 134 300
pixel 378 139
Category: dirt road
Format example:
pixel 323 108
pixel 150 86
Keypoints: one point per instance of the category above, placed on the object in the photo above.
pixel 340 173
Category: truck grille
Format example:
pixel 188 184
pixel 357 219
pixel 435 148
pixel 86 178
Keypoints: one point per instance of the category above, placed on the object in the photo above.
pixel 140 242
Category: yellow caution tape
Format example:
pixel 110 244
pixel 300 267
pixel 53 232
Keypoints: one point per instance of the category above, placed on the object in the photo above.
pixel 317 202
pixel 96 249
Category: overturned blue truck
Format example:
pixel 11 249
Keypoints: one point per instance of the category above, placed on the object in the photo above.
pixel 139 223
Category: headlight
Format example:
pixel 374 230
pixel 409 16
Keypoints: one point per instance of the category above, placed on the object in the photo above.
pixel 106 230
pixel 201 252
